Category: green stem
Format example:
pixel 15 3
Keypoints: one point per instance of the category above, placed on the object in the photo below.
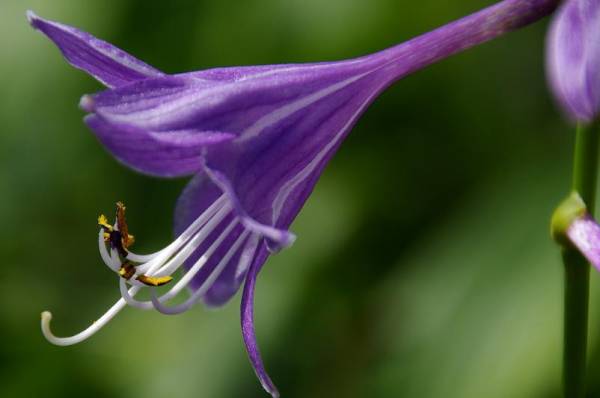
pixel 577 270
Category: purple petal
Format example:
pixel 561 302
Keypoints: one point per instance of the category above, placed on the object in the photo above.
pixel 140 96
pixel 161 153
pixel 184 101
pixel 110 65
pixel 268 176
pixel 573 58
pixel 584 233
pixel 200 193
pixel 197 196
pixel 248 333
pixel 277 239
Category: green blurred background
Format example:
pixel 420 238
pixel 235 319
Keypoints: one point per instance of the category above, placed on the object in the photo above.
pixel 423 266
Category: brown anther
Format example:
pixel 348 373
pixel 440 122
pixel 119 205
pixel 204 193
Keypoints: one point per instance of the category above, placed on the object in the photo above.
pixel 126 239
pixel 154 281
pixel 127 270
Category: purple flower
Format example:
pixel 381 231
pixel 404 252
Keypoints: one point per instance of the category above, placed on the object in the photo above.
pixel 255 139
pixel 573 58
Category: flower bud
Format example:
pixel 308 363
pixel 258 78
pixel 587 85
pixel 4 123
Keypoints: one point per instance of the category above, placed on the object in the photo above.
pixel 573 59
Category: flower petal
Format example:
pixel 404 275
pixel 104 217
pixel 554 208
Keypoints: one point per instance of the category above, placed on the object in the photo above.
pixel 144 99
pixel 161 153
pixel 197 196
pixel 200 193
pixel 277 239
pixel 248 333
pixel 247 106
pixel 110 65
pixel 584 233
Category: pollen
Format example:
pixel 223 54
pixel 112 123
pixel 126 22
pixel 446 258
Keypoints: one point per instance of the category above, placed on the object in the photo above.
pixel 127 270
pixel 154 281
pixel 118 234
pixel 126 239
pixel 103 222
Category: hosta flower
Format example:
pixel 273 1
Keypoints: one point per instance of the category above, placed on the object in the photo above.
pixel 573 58
pixel 255 139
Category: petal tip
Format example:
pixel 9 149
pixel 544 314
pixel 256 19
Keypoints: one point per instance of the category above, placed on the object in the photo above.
pixel 291 239
pixel 286 240
pixel 87 103
pixel 274 393
pixel 32 18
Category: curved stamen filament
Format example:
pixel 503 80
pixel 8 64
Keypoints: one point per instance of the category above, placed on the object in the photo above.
pixel 153 264
pixel 186 305
pixel 185 280
pixel 87 333
pixel 209 223
pixel 106 257
pixel 185 235
pixel 194 243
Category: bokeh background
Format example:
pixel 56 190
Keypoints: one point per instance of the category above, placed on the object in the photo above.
pixel 423 266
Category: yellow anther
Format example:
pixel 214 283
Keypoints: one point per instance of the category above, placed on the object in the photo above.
pixel 154 281
pixel 127 270
pixel 103 222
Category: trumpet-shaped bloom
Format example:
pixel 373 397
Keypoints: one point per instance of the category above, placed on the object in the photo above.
pixel 255 139
pixel 573 58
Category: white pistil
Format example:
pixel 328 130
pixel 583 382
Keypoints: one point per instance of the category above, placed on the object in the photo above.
pixel 90 331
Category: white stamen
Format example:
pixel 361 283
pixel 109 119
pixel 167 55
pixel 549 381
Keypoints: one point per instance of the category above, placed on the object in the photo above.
pixel 154 264
pixel 116 261
pixel 207 227
pixel 184 281
pixel 194 243
pixel 87 333
pixel 104 252
pixel 186 305
pixel 185 235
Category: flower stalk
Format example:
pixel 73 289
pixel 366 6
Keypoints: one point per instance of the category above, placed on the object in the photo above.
pixel 577 269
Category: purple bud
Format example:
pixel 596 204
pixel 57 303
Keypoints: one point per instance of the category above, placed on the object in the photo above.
pixel 573 58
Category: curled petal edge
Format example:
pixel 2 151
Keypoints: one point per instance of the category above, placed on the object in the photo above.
pixel 159 153
pixel 110 65
pixel 276 239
